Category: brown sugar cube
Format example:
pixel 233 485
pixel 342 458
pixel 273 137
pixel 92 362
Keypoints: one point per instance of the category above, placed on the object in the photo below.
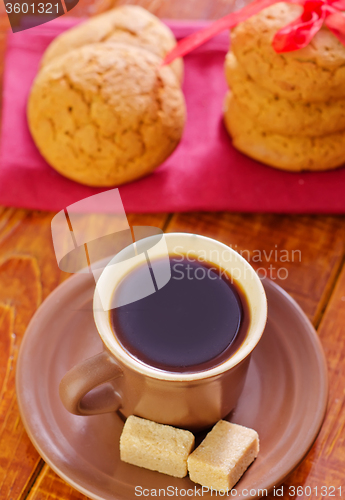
pixel 223 456
pixel 155 446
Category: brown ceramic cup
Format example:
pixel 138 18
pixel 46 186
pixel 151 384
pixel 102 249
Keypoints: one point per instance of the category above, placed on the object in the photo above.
pixel 113 380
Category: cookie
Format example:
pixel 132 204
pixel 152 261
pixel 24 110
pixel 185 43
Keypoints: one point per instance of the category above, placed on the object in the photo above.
pixel 128 24
pixel 156 446
pixel 294 153
pixel 106 114
pixel 315 73
pixel 279 115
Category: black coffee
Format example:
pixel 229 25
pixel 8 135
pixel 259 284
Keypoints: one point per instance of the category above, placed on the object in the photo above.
pixel 196 321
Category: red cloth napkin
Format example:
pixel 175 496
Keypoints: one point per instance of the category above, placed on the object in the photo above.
pixel 204 173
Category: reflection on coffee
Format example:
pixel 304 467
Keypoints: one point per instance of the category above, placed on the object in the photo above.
pixel 196 321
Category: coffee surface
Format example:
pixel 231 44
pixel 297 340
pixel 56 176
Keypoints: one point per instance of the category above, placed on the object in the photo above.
pixel 196 321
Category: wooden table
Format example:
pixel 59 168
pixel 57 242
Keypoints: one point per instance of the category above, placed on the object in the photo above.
pixel 314 275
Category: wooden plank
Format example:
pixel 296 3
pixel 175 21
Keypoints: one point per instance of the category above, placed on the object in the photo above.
pixel 303 254
pixel 323 469
pixel 49 486
pixel 331 444
pixel 20 295
pixel 28 273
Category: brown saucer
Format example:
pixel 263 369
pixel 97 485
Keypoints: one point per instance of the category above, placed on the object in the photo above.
pixel 284 399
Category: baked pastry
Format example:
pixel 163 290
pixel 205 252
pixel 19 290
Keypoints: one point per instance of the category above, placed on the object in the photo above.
pixel 106 114
pixel 279 115
pixel 156 446
pixel 314 73
pixel 128 24
pixel 294 153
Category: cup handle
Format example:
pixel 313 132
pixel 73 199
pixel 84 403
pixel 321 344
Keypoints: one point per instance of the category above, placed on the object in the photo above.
pixel 88 375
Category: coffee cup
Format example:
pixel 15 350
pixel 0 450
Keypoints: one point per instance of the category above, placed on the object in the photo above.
pixel 117 380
